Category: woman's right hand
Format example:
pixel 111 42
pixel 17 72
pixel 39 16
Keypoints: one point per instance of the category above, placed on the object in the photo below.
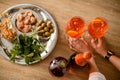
pixel 99 46
pixel 78 44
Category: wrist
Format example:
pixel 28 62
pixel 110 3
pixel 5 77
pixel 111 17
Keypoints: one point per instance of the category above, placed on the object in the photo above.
pixel 93 66
pixel 108 55
pixel 103 53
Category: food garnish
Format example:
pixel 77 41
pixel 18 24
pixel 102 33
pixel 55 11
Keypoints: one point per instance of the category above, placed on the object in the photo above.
pixel 28 48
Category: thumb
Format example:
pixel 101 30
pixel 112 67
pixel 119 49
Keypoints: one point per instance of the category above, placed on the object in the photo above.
pixel 99 42
pixel 93 43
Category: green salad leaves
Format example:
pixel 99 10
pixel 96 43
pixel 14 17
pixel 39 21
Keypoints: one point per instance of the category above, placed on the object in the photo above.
pixel 27 47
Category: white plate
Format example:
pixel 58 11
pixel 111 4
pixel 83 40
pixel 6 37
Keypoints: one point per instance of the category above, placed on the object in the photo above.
pixel 41 14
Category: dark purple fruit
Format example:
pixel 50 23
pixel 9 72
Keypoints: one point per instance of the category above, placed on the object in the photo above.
pixel 59 66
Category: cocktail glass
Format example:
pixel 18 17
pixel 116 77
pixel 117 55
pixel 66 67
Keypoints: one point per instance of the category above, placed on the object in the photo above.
pixel 97 27
pixel 75 27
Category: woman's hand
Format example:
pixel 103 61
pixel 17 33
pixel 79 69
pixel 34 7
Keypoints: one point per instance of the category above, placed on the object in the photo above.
pixel 99 46
pixel 78 44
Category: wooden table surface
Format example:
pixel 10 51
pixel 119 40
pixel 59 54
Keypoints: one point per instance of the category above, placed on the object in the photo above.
pixel 62 11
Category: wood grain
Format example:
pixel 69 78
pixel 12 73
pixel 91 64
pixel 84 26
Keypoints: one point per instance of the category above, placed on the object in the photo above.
pixel 62 11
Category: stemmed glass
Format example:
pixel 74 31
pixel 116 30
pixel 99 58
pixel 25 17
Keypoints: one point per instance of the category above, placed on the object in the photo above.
pixel 75 27
pixel 97 27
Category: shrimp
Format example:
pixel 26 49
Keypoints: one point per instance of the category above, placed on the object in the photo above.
pixel 27 21
pixel 28 13
pixel 20 17
pixel 20 26
pixel 33 20
pixel 27 28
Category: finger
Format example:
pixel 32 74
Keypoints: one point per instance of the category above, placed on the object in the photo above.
pixel 71 47
pixel 99 42
pixel 84 41
pixel 93 43
pixel 75 41
pixel 70 42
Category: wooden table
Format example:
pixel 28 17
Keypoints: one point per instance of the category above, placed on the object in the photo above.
pixel 62 11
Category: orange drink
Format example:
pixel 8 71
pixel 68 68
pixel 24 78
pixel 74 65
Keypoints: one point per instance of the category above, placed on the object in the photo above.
pixel 98 27
pixel 75 27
